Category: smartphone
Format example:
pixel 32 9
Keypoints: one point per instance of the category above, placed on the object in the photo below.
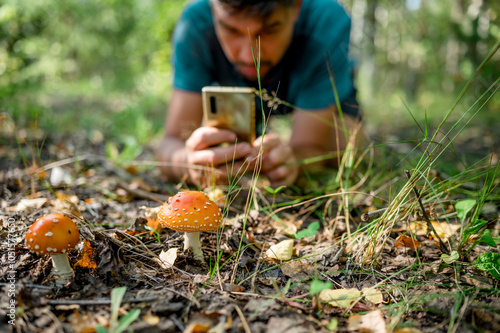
pixel 231 108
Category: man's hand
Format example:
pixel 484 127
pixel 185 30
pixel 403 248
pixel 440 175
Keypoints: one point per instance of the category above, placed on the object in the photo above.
pixel 278 160
pixel 204 151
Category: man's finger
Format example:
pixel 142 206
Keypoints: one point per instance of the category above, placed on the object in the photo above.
pixel 205 137
pixel 219 155
pixel 268 142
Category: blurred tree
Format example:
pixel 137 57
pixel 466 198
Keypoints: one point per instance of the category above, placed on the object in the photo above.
pixel 424 45
pixel 112 41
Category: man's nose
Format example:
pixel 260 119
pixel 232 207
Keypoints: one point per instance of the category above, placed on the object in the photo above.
pixel 248 48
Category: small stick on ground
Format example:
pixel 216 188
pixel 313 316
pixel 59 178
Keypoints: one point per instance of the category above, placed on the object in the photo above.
pixel 426 217
pixel 370 216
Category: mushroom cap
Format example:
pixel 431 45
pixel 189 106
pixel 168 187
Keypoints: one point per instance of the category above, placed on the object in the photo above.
pixel 51 234
pixel 190 211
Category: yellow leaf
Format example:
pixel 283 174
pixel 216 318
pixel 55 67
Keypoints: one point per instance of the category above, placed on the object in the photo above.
pixel 373 295
pixel 281 251
pixel 151 319
pixel 341 298
pixel 372 322
pixel 408 330
pixel 443 229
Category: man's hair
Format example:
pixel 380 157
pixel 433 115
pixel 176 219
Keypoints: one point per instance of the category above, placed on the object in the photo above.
pixel 261 8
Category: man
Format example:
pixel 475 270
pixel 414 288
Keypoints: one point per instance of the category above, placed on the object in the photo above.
pixel 303 50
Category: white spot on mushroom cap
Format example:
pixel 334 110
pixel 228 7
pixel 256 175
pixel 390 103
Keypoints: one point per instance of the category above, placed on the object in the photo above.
pixel 55 220
pixel 50 233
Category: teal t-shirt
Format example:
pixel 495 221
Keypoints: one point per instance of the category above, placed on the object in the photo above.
pixel 320 46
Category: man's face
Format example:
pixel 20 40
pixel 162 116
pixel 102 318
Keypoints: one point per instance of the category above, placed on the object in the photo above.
pixel 238 33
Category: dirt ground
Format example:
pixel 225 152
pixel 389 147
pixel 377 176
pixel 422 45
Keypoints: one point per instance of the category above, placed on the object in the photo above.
pixel 249 292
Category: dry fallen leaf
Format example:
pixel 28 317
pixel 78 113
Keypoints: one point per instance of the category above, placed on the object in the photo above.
pixel 28 204
pixel 444 230
pixel 281 251
pixel 372 322
pixel 285 226
pixel 151 319
pixel 60 176
pixel 341 298
pixel 407 241
pixel 373 295
pixel 151 212
pixel 167 258
pixel 154 224
pixel 87 260
pixel 217 195
pixel 408 330
pixel 292 268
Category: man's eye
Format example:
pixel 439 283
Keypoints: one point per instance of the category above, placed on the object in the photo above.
pixel 270 32
pixel 232 31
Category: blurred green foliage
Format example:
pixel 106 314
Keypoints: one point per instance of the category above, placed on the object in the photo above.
pixel 420 54
pixel 98 65
pixel 103 66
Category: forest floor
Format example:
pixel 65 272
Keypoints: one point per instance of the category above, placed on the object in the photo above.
pixel 408 288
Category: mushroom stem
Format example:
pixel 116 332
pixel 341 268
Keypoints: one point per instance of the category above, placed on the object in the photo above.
pixel 192 240
pixel 61 269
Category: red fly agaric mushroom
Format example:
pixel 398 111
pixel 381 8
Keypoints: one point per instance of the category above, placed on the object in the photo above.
pixel 191 212
pixel 54 234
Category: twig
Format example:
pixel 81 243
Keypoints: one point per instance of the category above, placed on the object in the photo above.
pixel 98 301
pixel 157 197
pixel 370 216
pixel 54 319
pixel 243 320
pixel 35 286
pixel 337 256
pixel 426 217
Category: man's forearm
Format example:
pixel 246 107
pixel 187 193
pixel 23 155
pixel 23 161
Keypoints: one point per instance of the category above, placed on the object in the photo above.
pixel 312 158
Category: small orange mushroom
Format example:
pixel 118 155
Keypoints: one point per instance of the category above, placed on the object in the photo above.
pixel 191 212
pixel 54 234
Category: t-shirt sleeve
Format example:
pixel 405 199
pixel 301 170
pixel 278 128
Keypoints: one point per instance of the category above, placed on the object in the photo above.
pixel 191 56
pixel 328 68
